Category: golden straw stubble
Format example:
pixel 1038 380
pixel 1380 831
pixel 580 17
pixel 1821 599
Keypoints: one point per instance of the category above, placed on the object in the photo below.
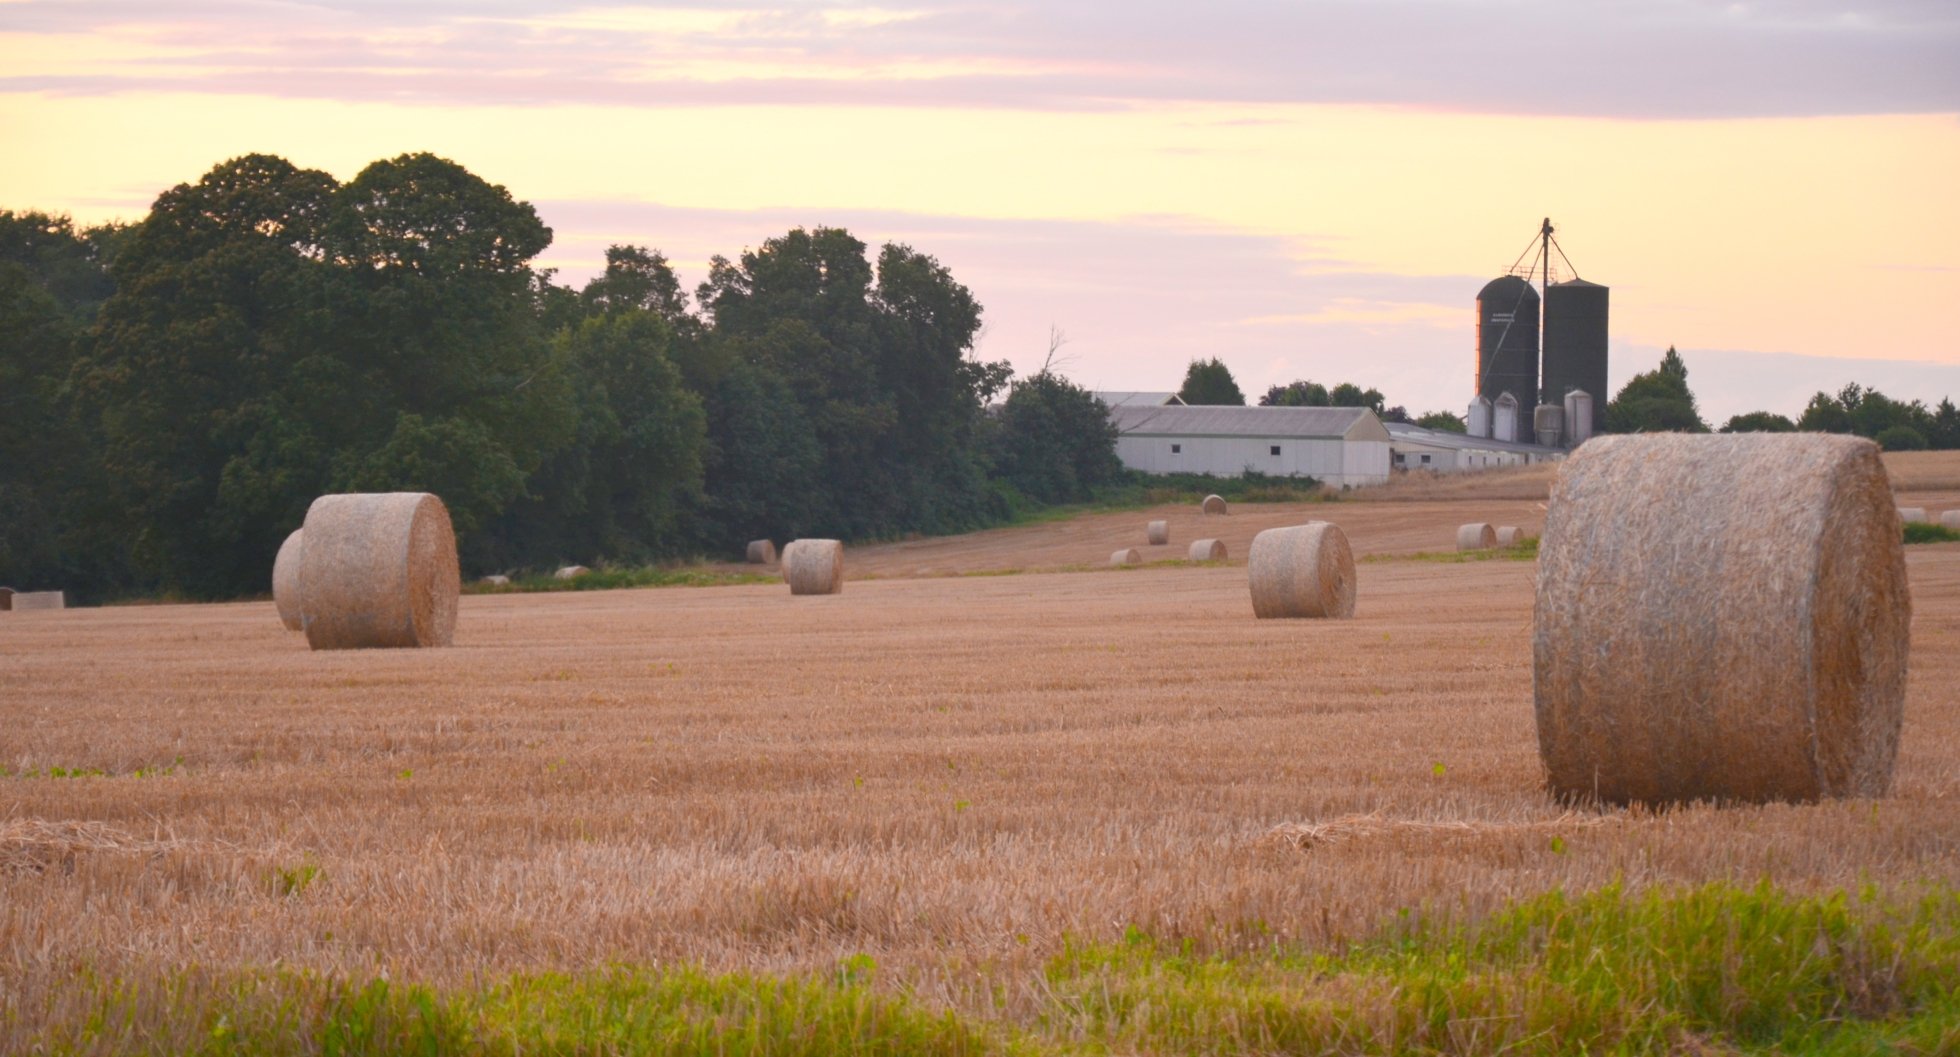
pixel 1720 618
pixel 285 580
pixel 814 567
pixel 1302 571
pixel 378 570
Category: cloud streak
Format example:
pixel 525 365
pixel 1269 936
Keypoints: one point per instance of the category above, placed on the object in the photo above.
pixel 1645 59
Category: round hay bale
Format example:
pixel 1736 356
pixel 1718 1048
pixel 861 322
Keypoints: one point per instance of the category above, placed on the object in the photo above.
pixel 1914 514
pixel 1476 537
pixel 26 600
pixel 495 580
pixel 1720 618
pixel 1208 550
pixel 285 580
pixel 1509 535
pixel 1951 520
pixel 570 572
pixel 1126 556
pixel 814 567
pixel 1214 504
pixel 1159 533
pixel 378 570
pixel 762 552
pixel 6 599
pixel 1302 571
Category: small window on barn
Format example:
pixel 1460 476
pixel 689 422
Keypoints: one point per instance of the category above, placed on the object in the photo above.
pixel 1275 449
pixel 1175 448
pixel 1425 458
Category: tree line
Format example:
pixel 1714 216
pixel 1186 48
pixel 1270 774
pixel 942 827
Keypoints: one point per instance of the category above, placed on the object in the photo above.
pixel 174 392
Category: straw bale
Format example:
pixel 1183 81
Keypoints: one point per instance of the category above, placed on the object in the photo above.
pixel 25 600
pixel 1478 536
pixel 495 580
pixel 570 572
pixel 1951 519
pixel 1302 571
pixel 1720 617
pixel 1914 514
pixel 6 599
pixel 378 570
pixel 1208 551
pixel 1214 504
pixel 285 580
pixel 1159 532
pixel 814 567
pixel 1126 556
pixel 1509 535
pixel 762 552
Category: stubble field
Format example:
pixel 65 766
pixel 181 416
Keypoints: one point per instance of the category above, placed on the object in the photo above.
pixel 955 778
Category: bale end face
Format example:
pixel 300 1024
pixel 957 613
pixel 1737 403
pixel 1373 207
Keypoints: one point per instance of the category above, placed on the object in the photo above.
pixel 1214 504
pixel 814 567
pixel 285 580
pixel 378 570
pixel 1951 520
pixel 1159 533
pixel 6 599
pixel 1478 536
pixel 1126 556
pixel 762 552
pixel 1720 618
pixel 1208 551
pixel 1302 571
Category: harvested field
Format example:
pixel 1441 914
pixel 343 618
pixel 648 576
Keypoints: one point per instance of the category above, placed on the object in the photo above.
pixel 953 775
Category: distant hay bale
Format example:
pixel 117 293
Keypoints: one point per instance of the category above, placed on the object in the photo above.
pixel 1208 551
pixel 1302 571
pixel 1478 536
pixel 26 600
pixel 570 572
pixel 6 599
pixel 285 581
pixel 1214 504
pixel 1720 617
pixel 1509 535
pixel 1126 556
pixel 495 580
pixel 1914 514
pixel 378 570
pixel 814 567
pixel 1951 520
pixel 1160 533
pixel 762 552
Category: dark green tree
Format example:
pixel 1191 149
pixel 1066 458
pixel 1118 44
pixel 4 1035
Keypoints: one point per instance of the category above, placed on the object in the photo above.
pixel 1759 422
pixel 1296 394
pixel 1657 401
pixel 1055 441
pixel 1901 438
pixel 1210 382
pixel 1443 420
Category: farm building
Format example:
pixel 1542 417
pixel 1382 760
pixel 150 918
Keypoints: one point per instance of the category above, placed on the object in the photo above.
pixel 1337 445
pixel 1413 447
pixel 1125 398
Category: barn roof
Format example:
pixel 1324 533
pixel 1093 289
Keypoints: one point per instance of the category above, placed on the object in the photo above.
pixel 1348 423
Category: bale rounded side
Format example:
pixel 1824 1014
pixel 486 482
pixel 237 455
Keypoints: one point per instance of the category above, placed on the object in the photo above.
pixel 1951 520
pixel 1720 618
pixel 1509 535
pixel 495 580
pixel 378 570
pixel 1914 514
pixel 1302 571
pixel 1125 556
pixel 1478 536
pixel 814 567
pixel 1208 550
pixel 27 600
pixel 762 552
pixel 1214 504
pixel 1159 533
pixel 570 572
pixel 285 580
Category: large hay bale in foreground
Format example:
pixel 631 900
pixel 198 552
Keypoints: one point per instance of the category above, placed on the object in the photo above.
pixel 1214 504
pixel 1126 556
pixel 378 570
pixel 26 600
pixel 814 567
pixel 1509 535
pixel 1915 514
pixel 1208 550
pixel 1159 533
pixel 1302 571
pixel 762 552
pixel 285 580
pixel 570 572
pixel 1478 536
pixel 1720 618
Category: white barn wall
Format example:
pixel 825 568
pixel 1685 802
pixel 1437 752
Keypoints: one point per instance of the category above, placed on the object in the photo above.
pixel 1326 459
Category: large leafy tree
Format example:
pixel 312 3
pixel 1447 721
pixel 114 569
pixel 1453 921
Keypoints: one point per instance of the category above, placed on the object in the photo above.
pixel 1054 441
pixel 1657 401
pixel 1759 422
pixel 1210 382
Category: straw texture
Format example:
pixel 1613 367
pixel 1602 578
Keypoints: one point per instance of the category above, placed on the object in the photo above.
pixel 1509 535
pixel 1914 513
pixel 24 600
pixel 1208 550
pixel 1214 504
pixel 814 567
pixel 1126 556
pixel 1720 618
pixel 1302 571
pixel 378 570
pixel 570 572
pixel 285 581
pixel 1476 537
pixel 1159 533
pixel 762 552
pixel 1951 519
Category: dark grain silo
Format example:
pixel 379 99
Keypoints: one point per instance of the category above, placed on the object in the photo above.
pixel 1575 346
pixel 1507 340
